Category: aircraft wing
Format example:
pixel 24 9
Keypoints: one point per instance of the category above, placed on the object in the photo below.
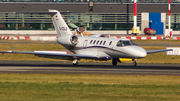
pixel 52 54
pixel 157 51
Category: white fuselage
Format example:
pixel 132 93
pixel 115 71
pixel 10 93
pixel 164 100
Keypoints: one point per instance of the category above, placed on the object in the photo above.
pixel 106 48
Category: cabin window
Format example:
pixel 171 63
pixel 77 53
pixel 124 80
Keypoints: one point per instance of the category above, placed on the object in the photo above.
pixel 101 42
pixel 91 41
pixel 97 42
pixel 110 43
pixel 94 42
pixel 104 43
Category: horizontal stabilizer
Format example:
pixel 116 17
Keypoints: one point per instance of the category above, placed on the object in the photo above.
pixel 44 12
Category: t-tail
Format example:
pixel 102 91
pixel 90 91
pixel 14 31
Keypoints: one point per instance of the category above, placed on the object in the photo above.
pixel 60 25
pixel 65 36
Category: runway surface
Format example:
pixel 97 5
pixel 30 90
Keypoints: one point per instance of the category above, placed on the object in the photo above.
pixel 44 67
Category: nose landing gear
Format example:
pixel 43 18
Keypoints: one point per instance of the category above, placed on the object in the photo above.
pixel 134 62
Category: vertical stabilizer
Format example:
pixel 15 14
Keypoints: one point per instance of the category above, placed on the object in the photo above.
pixel 60 25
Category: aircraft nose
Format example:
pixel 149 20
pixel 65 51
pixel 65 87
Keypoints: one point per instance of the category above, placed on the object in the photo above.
pixel 139 52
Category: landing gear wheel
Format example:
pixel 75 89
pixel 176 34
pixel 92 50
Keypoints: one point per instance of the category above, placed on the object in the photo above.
pixel 134 63
pixel 114 62
pixel 75 62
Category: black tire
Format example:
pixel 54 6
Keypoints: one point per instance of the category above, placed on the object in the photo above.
pixel 114 62
pixel 134 64
pixel 75 64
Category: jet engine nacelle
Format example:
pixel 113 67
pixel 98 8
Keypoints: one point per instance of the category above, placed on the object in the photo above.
pixel 70 40
pixel 98 35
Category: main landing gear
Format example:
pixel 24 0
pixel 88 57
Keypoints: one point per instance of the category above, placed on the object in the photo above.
pixel 115 60
pixel 75 62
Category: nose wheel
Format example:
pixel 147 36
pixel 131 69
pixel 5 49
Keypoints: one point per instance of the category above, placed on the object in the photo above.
pixel 134 62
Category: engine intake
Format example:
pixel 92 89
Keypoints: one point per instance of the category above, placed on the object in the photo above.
pixel 71 40
pixel 98 35
pixel 74 39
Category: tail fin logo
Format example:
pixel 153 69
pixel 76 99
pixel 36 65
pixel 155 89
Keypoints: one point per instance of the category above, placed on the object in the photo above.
pixel 63 28
pixel 56 18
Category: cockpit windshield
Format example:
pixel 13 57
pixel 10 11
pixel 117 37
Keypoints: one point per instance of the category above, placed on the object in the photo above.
pixel 125 43
pixel 133 43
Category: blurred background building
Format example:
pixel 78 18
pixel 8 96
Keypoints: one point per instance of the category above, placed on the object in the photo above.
pixel 100 15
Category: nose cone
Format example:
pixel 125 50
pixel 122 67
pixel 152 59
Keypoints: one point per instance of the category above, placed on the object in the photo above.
pixel 139 52
pixel 136 52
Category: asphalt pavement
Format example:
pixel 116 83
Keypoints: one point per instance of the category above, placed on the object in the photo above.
pixel 52 67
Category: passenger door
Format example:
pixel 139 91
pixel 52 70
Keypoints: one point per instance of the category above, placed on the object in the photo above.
pixel 85 44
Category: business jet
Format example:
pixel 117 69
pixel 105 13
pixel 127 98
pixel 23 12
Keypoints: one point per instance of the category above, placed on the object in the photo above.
pixel 96 47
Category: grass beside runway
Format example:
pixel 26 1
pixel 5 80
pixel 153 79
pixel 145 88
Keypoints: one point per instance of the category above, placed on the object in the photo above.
pixel 50 87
